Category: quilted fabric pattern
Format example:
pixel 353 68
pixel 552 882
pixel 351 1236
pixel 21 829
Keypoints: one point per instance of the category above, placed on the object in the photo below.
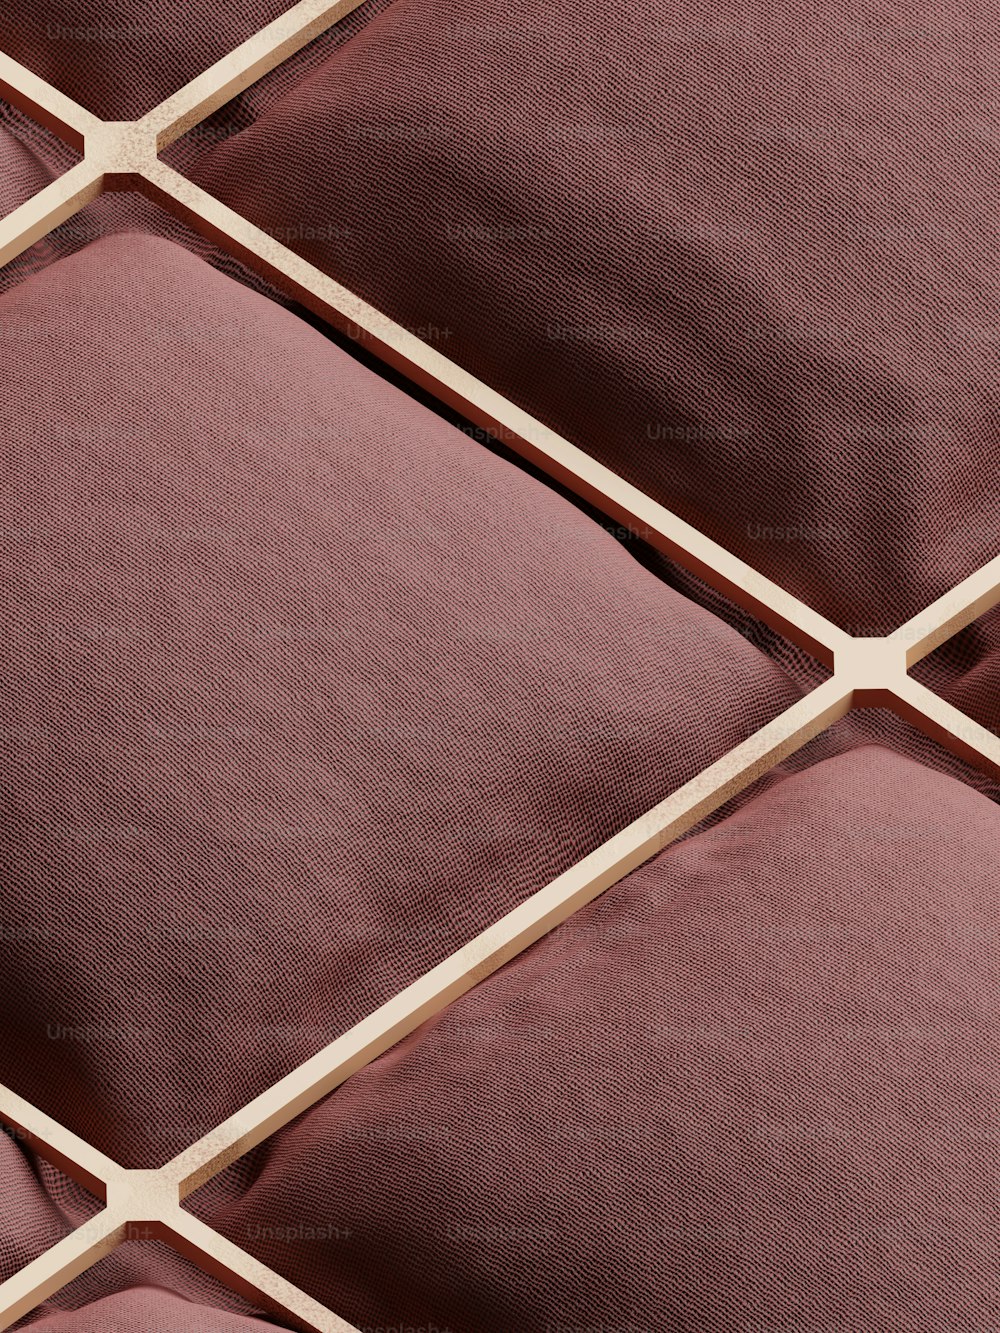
pixel 754 1086
pixel 743 254
pixel 120 59
pixel 301 686
pixel 298 681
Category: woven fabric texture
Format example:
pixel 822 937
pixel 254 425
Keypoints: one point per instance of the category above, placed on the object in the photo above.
pixel 22 172
pixel 301 689
pixel 743 254
pixel 34 1211
pixel 146 1287
pixel 752 1087
pixel 148 1310
pixel 120 59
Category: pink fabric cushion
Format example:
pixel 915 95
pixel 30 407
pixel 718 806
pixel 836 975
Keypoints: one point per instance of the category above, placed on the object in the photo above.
pixel 743 254
pixel 30 157
pixel 33 1211
pixel 752 1087
pixel 148 1310
pixel 301 688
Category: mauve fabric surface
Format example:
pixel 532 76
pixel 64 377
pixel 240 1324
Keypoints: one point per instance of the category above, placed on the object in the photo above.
pixel 149 1310
pixel 33 1206
pixel 301 689
pixel 972 661
pixel 22 174
pixel 120 59
pixel 146 1287
pixel 742 254
pixel 754 1086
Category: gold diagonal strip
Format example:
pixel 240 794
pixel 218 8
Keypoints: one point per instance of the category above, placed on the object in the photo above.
pixel 35 218
pixel 43 103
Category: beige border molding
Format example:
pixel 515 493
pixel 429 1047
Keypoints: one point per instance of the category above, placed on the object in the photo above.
pixel 867 672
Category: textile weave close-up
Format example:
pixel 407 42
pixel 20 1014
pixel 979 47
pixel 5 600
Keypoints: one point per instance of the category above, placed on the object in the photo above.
pixel 309 678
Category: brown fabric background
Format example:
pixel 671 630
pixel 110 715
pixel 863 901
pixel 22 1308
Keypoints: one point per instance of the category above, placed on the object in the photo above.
pixel 299 687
